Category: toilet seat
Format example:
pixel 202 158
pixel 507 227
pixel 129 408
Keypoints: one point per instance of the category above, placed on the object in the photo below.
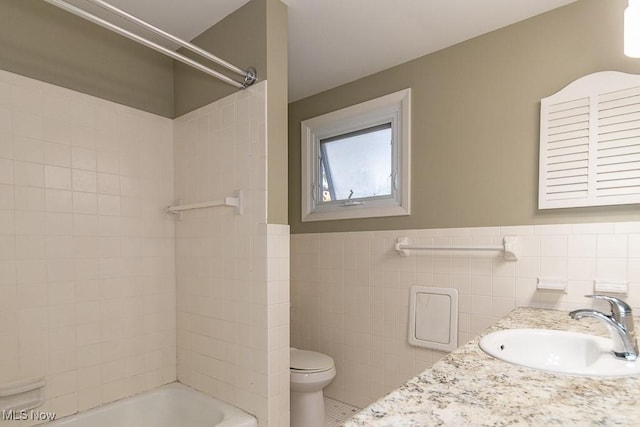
pixel 309 362
pixel 307 371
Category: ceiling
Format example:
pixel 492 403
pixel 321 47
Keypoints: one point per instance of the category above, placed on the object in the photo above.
pixel 332 42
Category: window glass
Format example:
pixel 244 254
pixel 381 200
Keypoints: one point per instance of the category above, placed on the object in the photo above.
pixel 357 165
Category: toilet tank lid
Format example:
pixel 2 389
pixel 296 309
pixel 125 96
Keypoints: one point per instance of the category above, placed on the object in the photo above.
pixel 309 360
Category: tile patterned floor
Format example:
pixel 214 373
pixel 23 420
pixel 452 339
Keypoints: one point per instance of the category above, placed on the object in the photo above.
pixel 338 412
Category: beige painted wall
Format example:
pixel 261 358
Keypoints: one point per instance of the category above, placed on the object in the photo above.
pixel 40 41
pixel 277 189
pixel 240 39
pixel 476 120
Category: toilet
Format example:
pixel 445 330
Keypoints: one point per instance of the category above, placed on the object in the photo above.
pixel 310 373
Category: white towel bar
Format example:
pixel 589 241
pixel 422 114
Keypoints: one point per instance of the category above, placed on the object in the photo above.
pixel 403 247
pixel 235 202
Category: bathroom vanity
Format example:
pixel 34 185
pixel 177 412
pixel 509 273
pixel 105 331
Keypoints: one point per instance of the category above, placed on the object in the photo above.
pixel 469 387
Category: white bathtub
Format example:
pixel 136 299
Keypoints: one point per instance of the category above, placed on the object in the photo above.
pixel 171 405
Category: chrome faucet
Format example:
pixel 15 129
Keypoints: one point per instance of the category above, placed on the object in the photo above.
pixel 619 323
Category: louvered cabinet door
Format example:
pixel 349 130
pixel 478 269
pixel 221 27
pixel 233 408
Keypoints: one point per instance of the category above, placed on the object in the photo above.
pixel 590 143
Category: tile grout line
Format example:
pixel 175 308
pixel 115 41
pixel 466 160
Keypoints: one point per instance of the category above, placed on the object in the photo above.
pixel 338 412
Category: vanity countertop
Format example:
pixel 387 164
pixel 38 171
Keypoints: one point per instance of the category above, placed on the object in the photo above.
pixel 469 387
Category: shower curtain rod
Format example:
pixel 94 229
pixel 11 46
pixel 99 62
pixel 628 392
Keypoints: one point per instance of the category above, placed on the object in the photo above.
pixel 249 75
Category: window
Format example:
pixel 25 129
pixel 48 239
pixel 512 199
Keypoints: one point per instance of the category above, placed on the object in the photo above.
pixel 355 161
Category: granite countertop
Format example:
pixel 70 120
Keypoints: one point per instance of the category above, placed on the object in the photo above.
pixel 469 387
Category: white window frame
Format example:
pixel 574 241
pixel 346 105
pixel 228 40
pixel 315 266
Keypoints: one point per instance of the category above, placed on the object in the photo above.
pixel 394 108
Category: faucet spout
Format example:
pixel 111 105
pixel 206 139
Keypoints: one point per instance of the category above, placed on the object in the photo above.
pixel 625 345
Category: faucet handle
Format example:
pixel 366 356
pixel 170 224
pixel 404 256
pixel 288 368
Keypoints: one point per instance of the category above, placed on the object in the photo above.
pixel 619 308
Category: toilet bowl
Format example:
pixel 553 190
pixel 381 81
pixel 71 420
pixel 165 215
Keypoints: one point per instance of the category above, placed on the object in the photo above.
pixel 310 373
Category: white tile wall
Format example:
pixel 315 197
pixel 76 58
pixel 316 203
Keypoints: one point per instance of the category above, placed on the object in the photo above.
pixel 87 276
pixel 232 270
pixel 278 324
pixel 350 290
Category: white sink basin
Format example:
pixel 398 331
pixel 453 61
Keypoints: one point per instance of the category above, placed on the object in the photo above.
pixel 563 352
